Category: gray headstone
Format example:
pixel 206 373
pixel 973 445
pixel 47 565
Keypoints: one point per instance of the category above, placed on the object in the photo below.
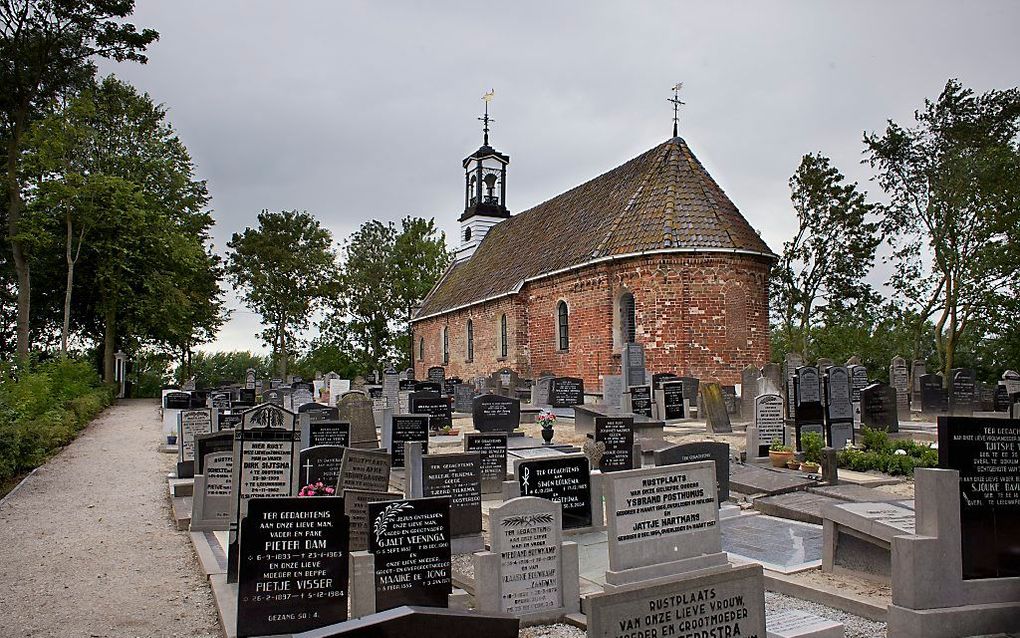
pixel 356 507
pixel 716 417
pixel 364 470
pixel 356 409
pixel 748 390
pixel 899 379
pixel 612 390
pixel 769 422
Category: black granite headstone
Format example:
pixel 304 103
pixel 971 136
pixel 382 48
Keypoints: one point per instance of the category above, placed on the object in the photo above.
pixel 839 412
pixel 246 395
pixel 437 408
pixel 437 374
pixel 428 388
pixel 641 399
pixel 1001 398
pixel 410 543
pixel 319 412
pixel 566 392
pixel 457 476
pixel 807 391
pixel 320 464
pixel 934 399
pixel 408 428
pixel 701 451
pixel 293 571
pixel 566 480
pixel 878 408
pixel 329 433
pixel 617 434
pixel 421 621
pixel 986 452
pixel 177 400
pixel 491 449
pixel 209 443
pixel 494 413
pixel 673 400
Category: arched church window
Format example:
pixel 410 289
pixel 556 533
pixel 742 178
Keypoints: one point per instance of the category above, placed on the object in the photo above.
pixel 470 340
pixel 421 348
pixel 563 326
pixel 628 322
pixel 504 347
pixel 446 345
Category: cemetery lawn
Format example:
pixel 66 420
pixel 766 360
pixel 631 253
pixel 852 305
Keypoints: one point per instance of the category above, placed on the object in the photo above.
pixel 89 548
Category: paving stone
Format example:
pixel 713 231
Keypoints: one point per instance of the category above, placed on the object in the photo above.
pixel 798 506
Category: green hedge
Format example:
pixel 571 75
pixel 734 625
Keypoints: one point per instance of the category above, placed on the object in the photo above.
pixel 43 409
pixel 878 452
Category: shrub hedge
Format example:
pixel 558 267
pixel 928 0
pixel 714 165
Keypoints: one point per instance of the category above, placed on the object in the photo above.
pixel 878 452
pixel 43 409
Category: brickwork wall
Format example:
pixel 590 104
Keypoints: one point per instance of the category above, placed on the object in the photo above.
pixel 700 314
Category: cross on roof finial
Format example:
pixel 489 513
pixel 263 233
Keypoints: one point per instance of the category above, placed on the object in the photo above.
pixel 676 106
pixel 485 119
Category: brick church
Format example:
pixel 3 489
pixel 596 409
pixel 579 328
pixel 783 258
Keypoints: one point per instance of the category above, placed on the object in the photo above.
pixel 652 252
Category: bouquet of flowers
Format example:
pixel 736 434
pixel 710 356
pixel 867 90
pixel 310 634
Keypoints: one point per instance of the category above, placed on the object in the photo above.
pixel 545 419
pixel 316 489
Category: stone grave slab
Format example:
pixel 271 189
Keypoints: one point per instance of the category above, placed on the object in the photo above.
pixel 616 433
pixel 566 392
pixel 565 479
pixel 670 400
pixel 456 476
pixel 638 400
pixel 793 623
pixel 717 418
pixel 730 602
pixel 211 505
pixel 855 493
pixel 701 451
pixel 777 544
pixel 438 409
pixel 805 507
pixel 748 479
pixel 858 537
pixel 324 431
pixel 405 621
pixel 206 444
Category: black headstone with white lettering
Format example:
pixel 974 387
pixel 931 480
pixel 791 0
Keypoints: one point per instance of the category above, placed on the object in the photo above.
pixel 701 451
pixel 410 544
pixel 177 400
pixel 934 398
pixel 672 400
pixel 457 476
pixel 408 428
pixel 309 536
pixel 428 388
pixel 320 464
pixel 491 449
pixel 566 392
pixel 328 433
pixel 617 434
pixel 808 415
pixel 566 480
pixel 437 374
pixel 986 453
pixel 641 399
pixel 437 408
pixel 839 412
pixel 494 413
pixel 878 408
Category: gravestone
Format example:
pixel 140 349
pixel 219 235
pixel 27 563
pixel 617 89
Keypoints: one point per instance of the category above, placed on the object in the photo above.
pixel 793 623
pixel 768 422
pixel 639 398
pixel 356 409
pixel 249 379
pixel 671 400
pixel 839 411
pixel 540 391
pixel 391 387
pixel 407 384
pixel 729 396
pixel 364 470
pixel 219 400
pixel 264 465
pixel 662 521
pixel 918 369
pixel 1011 381
pixel 504 382
pixel 223 421
pixel 436 407
pixel 566 480
pixel 314 433
pixel 301 396
pixel 616 433
pixel 773 375
pixel 190 423
pixel 491 450
pixel 858 381
pixel 717 419
pixel 632 363
pixel 808 412
pixel 878 408
pixel 317 412
pixel 531 573
pixel 899 380
pixel 692 387
pixel 463 398
pixel 292 578
pixel 612 390
pixel 405 428
pixel 962 392
pixel 410 545
pixel 450 385
pixel 337 387
pixel 662 377
pixel 748 385
pixel 566 392
pixel 437 375
pixel 428 388
pixel 356 507
pixel 934 398
pixel 986 453
pixel 791 362
pixel 209 443
pixel 320 464
pixel 405 621
pixel 494 413
pixel 729 602
pixel 719 453
pixel 1001 402
pixel 456 476
pixel 273 396
pixel 211 500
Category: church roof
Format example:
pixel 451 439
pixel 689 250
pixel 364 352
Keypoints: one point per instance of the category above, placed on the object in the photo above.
pixel 661 201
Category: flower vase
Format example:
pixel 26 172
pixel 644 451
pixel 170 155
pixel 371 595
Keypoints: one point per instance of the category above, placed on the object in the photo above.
pixel 547 433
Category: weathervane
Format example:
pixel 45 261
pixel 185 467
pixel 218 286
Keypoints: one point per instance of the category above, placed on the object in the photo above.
pixel 485 119
pixel 676 105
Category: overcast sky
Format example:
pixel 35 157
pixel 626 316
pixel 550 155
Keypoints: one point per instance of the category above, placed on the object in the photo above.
pixel 364 110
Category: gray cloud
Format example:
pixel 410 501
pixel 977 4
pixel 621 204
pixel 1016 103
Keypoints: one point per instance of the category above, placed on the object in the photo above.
pixel 362 110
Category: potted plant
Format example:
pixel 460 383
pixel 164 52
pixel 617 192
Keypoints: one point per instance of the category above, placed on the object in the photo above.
pixel 779 454
pixel 546 419
pixel 812 443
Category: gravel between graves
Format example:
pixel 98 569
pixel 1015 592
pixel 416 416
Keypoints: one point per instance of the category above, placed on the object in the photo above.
pixel 88 547
pixel 854 626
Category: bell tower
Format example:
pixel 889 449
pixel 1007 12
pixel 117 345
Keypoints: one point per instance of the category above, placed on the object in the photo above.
pixel 484 190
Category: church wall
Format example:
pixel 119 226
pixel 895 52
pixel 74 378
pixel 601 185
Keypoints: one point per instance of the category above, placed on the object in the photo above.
pixel 700 314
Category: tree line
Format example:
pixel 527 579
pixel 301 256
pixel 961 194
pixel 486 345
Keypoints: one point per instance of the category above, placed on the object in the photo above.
pixel 945 228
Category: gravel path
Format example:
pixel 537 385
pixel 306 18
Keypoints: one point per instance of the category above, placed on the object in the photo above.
pixel 88 547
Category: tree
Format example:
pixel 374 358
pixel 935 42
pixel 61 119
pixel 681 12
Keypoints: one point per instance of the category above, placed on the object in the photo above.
pixel 112 183
pixel 47 48
pixel 285 270
pixel 387 273
pixel 954 220
pixel 824 265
